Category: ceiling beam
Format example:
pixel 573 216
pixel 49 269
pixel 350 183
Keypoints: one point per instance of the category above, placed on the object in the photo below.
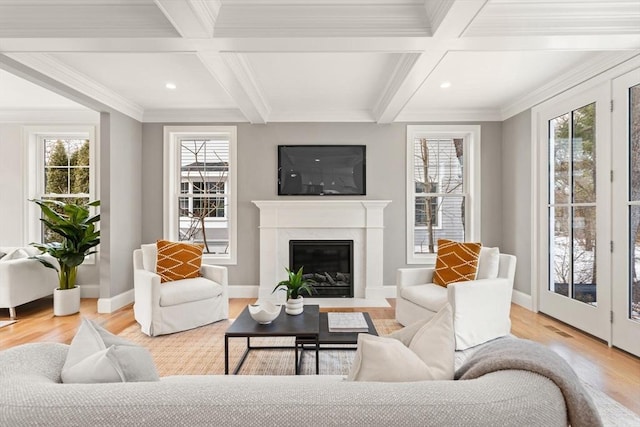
pixel 400 90
pixel 69 77
pixel 233 73
pixel 191 18
pixel 319 44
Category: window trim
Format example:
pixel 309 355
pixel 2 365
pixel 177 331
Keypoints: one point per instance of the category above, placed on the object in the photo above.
pixel 471 178
pixel 35 171
pixel 171 178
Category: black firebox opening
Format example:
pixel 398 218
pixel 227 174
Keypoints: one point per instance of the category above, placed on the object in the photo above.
pixel 329 263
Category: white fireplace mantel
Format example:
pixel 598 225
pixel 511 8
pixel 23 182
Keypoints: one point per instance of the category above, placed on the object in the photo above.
pixel 359 220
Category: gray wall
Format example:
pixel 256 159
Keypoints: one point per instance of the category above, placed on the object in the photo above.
pixel 516 195
pixel 121 200
pixel 257 164
pixel 13 193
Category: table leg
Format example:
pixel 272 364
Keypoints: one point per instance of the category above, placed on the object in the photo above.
pixel 226 354
pixel 297 370
pixel 317 354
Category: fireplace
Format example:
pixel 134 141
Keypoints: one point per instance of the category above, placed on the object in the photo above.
pixel 328 263
pixel 358 220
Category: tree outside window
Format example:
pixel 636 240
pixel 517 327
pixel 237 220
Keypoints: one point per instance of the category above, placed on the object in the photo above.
pixel 67 174
pixel 203 193
pixel 438 192
pixel 572 204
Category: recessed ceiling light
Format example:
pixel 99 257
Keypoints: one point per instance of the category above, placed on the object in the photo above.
pixel 170 86
pixel 445 85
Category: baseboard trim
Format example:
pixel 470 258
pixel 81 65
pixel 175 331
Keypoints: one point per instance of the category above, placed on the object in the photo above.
pixel 522 299
pixel 89 291
pixel 244 291
pixel 109 305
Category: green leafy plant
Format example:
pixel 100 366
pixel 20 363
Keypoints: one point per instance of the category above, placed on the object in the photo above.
pixel 77 229
pixel 295 284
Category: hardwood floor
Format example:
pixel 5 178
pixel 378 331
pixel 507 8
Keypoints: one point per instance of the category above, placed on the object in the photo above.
pixel 610 370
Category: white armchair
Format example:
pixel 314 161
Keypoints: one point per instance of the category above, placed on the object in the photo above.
pixel 480 307
pixel 23 280
pixel 180 305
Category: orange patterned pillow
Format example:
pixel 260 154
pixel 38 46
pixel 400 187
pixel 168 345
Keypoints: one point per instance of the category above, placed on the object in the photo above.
pixel 456 262
pixel 178 260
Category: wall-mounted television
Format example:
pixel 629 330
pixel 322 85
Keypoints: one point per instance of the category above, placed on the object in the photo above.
pixel 322 170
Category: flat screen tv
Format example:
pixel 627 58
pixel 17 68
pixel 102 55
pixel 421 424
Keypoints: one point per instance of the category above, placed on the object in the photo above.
pixel 322 170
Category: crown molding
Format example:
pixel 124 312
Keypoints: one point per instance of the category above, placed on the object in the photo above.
pixel 577 75
pixel 399 75
pixel 30 116
pixel 62 73
pixel 193 115
pixel 449 116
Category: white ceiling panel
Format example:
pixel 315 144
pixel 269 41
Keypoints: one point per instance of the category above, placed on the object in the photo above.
pixel 141 78
pixel 490 80
pixel 321 81
pixel 105 18
pixel 560 17
pixel 17 93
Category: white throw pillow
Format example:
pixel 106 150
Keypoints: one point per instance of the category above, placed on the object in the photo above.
pixel 488 263
pixel 419 352
pixel 387 360
pixel 97 356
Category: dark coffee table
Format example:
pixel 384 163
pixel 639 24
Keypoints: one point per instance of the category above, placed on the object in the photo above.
pixel 329 340
pixel 305 326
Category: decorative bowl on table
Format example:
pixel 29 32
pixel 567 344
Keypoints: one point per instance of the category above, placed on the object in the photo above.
pixel 264 312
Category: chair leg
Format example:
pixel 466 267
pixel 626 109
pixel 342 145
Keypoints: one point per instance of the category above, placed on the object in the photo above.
pixel 12 312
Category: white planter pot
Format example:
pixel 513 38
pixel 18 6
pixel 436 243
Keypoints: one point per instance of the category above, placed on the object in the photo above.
pixel 66 301
pixel 294 306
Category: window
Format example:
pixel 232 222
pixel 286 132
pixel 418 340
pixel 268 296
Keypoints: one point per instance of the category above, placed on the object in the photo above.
pixel 200 188
pixel 442 188
pixel 61 167
pixel 572 204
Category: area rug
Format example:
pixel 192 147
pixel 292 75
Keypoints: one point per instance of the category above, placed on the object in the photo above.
pixel 7 322
pixel 200 351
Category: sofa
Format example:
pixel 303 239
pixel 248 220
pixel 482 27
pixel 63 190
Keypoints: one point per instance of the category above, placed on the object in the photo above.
pixel 23 280
pixel 31 393
pixel 481 307
pixel 166 308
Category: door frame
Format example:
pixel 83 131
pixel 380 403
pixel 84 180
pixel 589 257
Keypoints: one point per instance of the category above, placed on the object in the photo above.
pixel 592 319
pixel 624 330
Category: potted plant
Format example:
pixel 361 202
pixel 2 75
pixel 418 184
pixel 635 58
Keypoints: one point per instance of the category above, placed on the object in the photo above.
pixel 77 230
pixel 294 286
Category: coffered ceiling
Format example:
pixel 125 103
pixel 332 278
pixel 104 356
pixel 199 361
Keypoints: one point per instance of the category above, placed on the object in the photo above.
pixel 264 61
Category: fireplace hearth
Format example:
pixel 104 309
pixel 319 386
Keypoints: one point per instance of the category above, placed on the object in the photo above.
pixel 328 263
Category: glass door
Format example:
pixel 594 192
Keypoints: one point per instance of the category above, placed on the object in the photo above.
pixel 575 234
pixel 626 213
